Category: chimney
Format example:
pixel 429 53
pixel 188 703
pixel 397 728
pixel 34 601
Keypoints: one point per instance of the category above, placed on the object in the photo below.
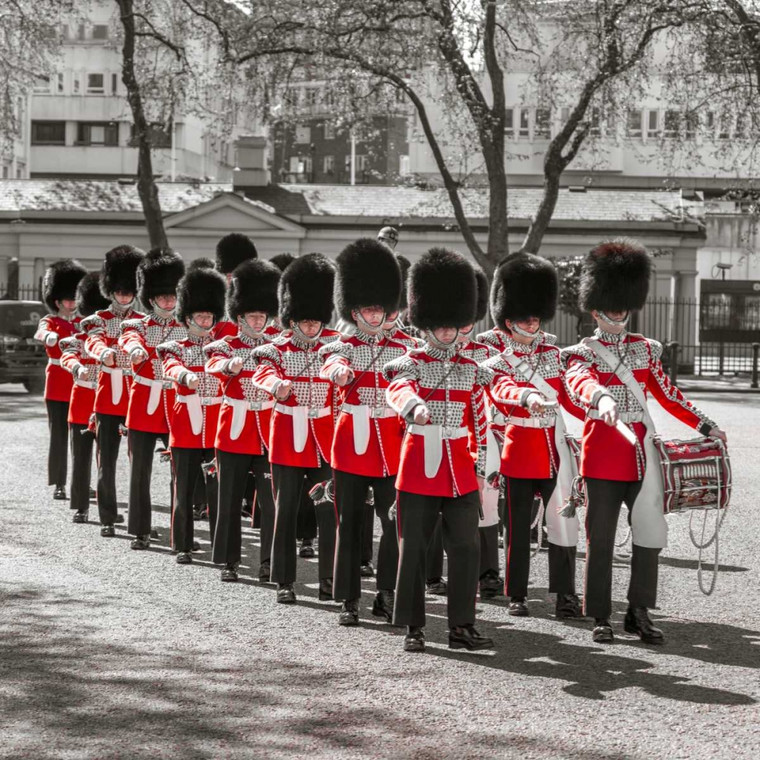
pixel 251 166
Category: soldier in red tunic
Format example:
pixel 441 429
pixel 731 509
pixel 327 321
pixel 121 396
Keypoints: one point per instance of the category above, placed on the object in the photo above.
pixel 302 422
pixel 610 374
pixel 118 284
pixel 231 251
pixel 59 294
pixel 367 442
pixel 200 304
pixel 432 388
pixel 151 397
pixel 242 435
pixel 528 391
pixel 84 371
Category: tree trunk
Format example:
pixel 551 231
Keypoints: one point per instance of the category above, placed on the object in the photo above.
pixel 146 185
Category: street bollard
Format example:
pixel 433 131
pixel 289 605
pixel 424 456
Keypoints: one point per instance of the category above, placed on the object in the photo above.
pixel 674 362
pixel 755 354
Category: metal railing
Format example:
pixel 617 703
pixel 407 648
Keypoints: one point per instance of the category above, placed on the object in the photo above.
pixel 14 292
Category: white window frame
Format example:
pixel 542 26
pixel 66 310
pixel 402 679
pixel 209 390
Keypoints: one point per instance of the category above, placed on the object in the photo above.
pixel 42 89
pixel 635 132
pixel 302 134
pixel 524 130
pixel 509 123
pixel 654 122
pixel 95 91
pixel 328 164
pixel 329 131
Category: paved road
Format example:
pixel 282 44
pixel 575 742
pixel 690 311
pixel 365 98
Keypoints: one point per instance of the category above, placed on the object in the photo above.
pixel 108 653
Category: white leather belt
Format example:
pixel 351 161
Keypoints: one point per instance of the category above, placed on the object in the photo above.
pixel 55 362
pixel 195 404
pixel 156 387
pixel 434 435
pixel 627 417
pixel 301 415
pixel 495 417
pixel 117 382
pixel 533 422
pixel 202 400
pixel 85 384
pixel 240 408
pixel 362 414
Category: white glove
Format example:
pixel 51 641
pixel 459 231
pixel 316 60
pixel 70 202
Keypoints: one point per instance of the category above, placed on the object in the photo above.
pixel 343 376
pixel 234 365
pixel 108 357
pixel 191 380
pixel 608 410
pixel 82 372
pixel 138 355
pixel 421 415
pixel 51 339
pixel 283 390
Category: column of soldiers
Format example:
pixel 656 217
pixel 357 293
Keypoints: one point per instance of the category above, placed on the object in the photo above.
pixel 232 367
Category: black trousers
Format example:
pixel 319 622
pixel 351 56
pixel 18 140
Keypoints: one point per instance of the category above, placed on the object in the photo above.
pixel 57 412
pixel 142 451
pixel 489 549
pixel 288 485
pixel 306 526
pixel 368 537
pixel 350 502
pixel 603 501
pixel 185 466
pixel 417 516
pixel 233 470
pixel 434 558
pixel 109 442
pixel 81 466
pixel 520 494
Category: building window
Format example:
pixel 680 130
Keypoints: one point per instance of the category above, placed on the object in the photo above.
pixel 114 84
pixel 361 163
pixel 328 164
pixel 5 171
pixel 671 123
pixel 76 84
pixel 42 85
pixel 95 84
pixel 524 123
pixel 59 82
pixel 509 123
pixel 20 168
pixel 329 131
pixel 595 122
pixel 81 32
pixel 48 133
pixel 634 124
pixel 724 131
pixel 100 32
pixel 97 133
pixel 403 165
pixel 740 129
pixel 303 134
pixel 312 97
pixel 653 124
pixel 543 126
pixel 691 124
pixel 159 136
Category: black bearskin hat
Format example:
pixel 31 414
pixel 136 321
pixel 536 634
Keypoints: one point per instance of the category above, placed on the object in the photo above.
pixel 282 260
pixel 201 290
pixel 60 282
pixel 200 263
pixel 443 291
pixel 404 265
pixel 89 297
pixel 524 286
pixel 253 288
pixel 158 274
pixel 481 308
pixel 119 272
pixel 232 250
pixel 368 275
pixel 615 276
pixel 306 289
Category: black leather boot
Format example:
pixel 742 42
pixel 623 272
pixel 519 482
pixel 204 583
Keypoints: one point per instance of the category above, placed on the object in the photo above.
pixel 414 641
pixel 349 614
pixel 383 605
pixel 286 594
pixel 602 633
pixel 637 621
pixel 466 637
pixel 229 573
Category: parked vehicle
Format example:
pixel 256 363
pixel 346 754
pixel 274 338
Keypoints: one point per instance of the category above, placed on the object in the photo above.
pixel 22 359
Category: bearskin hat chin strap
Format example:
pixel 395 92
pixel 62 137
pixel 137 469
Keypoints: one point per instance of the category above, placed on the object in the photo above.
pixel 440 344
pixel 366 326
pixel 525 333
pixel 244 327
pixel 162 313
pixel 615 322
pixel 119 308
pixel 195 329
pixel 300 334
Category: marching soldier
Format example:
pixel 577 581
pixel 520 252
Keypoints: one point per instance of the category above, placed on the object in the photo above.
pixel 302 422
pixel 84 371
pixel 528 390
pixel 485 449
pixel 59 294
pixel 367 442
pixel 610 374
pixel 231 251
pixel 151 397
pixel 200 304
pixel 243 431
pixel 118 284
pixel 431 388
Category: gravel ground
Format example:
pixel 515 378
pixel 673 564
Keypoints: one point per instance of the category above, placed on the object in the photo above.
pixel 109 653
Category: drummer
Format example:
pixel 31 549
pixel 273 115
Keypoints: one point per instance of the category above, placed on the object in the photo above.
pixel 610 374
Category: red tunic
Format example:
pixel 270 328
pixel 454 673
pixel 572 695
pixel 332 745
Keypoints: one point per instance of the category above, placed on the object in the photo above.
pixel 83 390
pixel 308 412
pixel 246 413
pixel 605 453
pixel 404 338
pixel 194 414
pixel 223 329
pixel 151 396
pixel 444 382
pixel 103 329
pixel 528 452
pixel 58 381
pixel 368 432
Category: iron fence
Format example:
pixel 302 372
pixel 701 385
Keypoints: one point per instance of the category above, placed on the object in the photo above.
pixel 14 292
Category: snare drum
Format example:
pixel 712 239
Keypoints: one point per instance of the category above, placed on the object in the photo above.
pixel 696 474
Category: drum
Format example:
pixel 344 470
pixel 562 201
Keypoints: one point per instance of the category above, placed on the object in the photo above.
pixel 696 474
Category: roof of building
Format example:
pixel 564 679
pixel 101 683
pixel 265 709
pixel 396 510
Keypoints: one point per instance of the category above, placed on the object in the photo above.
pixel 392 202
